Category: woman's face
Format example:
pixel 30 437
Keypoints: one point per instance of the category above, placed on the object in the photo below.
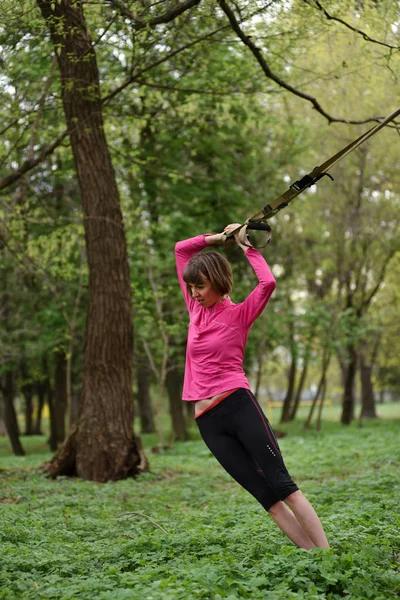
pixel 205 294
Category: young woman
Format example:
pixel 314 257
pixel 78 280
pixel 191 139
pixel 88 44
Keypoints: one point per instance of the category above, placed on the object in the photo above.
pixel 228 415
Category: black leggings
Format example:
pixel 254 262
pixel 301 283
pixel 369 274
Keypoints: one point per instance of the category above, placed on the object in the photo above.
pixel 239 435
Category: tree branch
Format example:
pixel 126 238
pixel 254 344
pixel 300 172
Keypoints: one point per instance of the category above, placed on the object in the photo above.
pixel 31 163
pixel 247 41
pixel 42 100
pixel 366 37
pixel 167 17
pixel 173 88
pixel 135 76
pixel 381 276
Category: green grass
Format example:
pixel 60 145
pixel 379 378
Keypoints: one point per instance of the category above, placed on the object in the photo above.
pixel 66 539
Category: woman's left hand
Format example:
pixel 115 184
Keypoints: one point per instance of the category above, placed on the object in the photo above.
pixel 229 228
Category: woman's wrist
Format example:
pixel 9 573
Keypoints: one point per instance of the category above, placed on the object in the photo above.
pixel 213 239
pixel 243 247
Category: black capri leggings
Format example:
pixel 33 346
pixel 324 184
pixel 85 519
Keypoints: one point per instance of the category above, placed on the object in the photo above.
pixel 239 435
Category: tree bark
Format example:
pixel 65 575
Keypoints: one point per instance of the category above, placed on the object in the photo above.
pixel 10 416
pixel 73 408
pixel 321 390
pixel 27 391
pixel 348 392
pixel 101 446
pixel 147 424
pixel 40 389
pixel 317 396
pixel 368 409
pixel 287 403
pixel 174 384
pixel 321 405
pixel 60 395
pixel 299 391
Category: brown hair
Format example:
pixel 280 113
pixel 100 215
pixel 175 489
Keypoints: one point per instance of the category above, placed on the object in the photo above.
pixel 212 266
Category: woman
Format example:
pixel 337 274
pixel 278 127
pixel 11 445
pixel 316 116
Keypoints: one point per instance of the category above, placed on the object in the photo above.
pixel 228 415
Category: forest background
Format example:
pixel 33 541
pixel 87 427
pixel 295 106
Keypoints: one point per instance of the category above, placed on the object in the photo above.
pixel 128 126
pixel 124 127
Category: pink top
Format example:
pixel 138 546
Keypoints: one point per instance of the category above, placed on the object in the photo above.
pixel 217 335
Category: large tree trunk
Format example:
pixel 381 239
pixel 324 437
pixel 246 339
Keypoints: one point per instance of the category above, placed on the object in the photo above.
pixel 348 392
pixel 367 391
pixel 101 446
pixel 10 416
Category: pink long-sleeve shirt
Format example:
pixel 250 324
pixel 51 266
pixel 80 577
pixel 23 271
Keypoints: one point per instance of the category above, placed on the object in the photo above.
pixel 217 335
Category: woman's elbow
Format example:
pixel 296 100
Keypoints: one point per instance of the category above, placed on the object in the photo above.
pixel 178 247
pixel 270 285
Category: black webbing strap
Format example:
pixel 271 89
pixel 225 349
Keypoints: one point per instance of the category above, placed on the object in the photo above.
pixel 311 178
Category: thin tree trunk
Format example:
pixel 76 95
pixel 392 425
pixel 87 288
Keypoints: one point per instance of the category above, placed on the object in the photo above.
pixel 174 384
pixel 40 389
pixel 53 443
pixel 101 446
pixel 27 391
pixel 299 391
pixel 321 405
pixel 10 416
pixel 368 409
pixel 320 393
pixel 307 424
pixel 60 395
pixel 348 393
pixel 287 403
pixel 49 396
pixel 189 413
pixel 143 371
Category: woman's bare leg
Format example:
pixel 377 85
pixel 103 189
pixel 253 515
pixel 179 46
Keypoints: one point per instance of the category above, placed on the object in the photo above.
pixel 287 522
pixel 307 518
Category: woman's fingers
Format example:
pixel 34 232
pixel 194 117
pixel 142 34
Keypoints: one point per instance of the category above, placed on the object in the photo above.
pixel 232 227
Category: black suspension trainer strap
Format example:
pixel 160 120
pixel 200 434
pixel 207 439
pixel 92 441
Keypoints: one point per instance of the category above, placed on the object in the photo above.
pixel 258 221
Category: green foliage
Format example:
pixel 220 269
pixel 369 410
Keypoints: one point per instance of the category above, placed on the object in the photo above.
pixel 66 539
pixel 199 138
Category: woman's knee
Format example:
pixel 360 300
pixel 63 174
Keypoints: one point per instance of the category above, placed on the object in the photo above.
pixel 294 498
pixel 276 509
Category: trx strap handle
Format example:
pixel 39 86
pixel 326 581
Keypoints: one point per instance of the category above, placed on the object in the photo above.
pixel 242 231
pixel 258 226
pixel 270 210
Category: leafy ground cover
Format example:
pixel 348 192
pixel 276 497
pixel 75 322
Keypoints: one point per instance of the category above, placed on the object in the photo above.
pixel 186 531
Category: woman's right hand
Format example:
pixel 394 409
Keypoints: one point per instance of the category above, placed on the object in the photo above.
pixel 240 233
pixel 229 228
